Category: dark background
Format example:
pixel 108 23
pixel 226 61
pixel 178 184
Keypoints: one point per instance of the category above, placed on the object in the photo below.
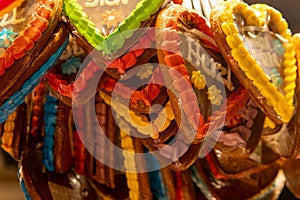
pixel 290 10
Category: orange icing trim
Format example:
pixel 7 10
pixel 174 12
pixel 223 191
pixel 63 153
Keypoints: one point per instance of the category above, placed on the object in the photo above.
pixel 26 39
pixel 169 20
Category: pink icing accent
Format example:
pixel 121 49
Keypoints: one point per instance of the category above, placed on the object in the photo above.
pixel 241 133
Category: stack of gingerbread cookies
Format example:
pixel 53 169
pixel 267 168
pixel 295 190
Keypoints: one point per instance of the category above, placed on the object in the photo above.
pixel 149 99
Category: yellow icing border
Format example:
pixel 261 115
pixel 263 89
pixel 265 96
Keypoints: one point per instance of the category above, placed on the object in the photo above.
pixel 289 64
pixel 246 61
pixel 141 124
pixel 8 133
pixel 130 163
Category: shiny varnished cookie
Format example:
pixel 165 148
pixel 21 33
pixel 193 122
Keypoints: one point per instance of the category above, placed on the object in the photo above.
pixel 255 43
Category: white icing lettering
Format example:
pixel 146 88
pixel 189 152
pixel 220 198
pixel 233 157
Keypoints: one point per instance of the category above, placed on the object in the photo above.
pixel 263 50
pixel 198 55
pixel 110 3
pixel 12 21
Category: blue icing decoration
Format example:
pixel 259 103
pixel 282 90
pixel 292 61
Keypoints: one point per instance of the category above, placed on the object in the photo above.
pixel 50 108
pixel 200 183
pixel 278 46
pixel 50 127
pixel 275 77
pixel 18 97
pixel 71 65
pixel 23 187
pixel 7 36
pixel 155 178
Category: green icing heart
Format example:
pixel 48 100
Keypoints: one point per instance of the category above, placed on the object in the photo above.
pixel 114 41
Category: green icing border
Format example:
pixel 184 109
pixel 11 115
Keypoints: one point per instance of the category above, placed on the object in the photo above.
pixel 143 11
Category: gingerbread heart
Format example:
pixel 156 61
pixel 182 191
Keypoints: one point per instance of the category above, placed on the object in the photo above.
pixel 255 43
pixel 31 42
pixel 197 79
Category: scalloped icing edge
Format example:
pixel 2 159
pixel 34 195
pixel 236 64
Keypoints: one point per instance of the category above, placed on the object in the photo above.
pixel 93 35
pixel 29 38
pixel 249 65
pixel 8 133
pixel 289 64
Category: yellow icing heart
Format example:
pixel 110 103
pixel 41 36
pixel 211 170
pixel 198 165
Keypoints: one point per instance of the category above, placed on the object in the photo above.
pixel 255 16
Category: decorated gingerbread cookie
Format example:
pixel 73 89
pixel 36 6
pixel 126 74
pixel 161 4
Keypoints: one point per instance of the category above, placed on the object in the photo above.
pixel 202 88
pixel 106 32
pixel 31 42
pixel 59 80
pixel 57 149
pixel 255 43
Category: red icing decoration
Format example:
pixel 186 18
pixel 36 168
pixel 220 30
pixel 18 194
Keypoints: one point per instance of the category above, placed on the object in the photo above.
pixel 5 3
pixel 79 154
pixel 178 186
pixel 129 59
pixel 2 71
pixel 139 96
pixel 178 1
